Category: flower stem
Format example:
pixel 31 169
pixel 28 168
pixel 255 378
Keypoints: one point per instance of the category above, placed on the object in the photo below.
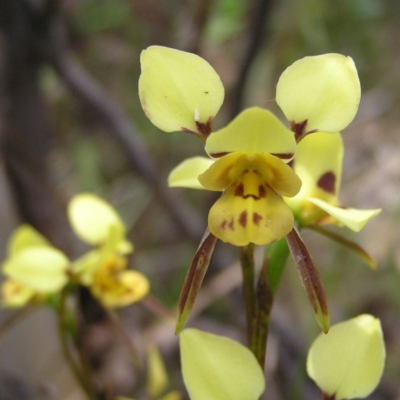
pixel 258 302
pixel 261 317
pixel 247 264
pixel 63 334
pixel 276 254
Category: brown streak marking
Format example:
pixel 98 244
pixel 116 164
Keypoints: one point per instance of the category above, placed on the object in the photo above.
pixel 232 224
pixel 257 218
pixel 243 218
pixel 239 190
pixel 262 191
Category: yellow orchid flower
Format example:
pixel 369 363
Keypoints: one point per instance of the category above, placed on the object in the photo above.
pixel 34 267
pixel 348 362
pixel 181 91
pixel 104 269
pixel 251 171
pixel 318 163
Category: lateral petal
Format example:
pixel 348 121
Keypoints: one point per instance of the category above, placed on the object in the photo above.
pixel 323 91
pixel 178 89
pixel 187 172
pixel 92 218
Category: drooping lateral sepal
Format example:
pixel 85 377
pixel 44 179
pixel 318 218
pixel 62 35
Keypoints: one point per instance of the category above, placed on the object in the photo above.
pixel 194 278
pixel 310 279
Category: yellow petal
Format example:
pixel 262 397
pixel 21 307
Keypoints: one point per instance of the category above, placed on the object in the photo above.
pixel 14 294
pixel 42 269
pixel 348 362
pixel 86 265
pixel 322 90
pixel 92 218
pixel 353 218
pixel 218 368
pixel 254 130
pixel 240 217
pixel 157 377
pixel 270 170
pixel 318 163
pixel 186 173
pixel 23 237
pixel 178 89
pixel 120 290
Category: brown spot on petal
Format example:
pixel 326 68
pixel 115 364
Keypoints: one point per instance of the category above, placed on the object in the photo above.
pixel 243 218
pixel 327 182
pixel 257 218
pixel 231 224
pixel 262 192
pixel 223 224
pixel 239 190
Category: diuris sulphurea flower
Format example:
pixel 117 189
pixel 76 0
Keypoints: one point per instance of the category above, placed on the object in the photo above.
pixel 249 158
pixel 104 268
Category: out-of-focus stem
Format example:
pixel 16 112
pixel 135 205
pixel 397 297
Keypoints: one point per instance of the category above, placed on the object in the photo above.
pixel 247 264
pixel 63 334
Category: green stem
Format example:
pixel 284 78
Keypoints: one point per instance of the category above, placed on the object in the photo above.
pixel 276 254
pixel 63 334
pixel 247 264
pixel 264 299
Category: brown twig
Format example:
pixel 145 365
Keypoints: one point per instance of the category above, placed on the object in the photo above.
pixel 260 12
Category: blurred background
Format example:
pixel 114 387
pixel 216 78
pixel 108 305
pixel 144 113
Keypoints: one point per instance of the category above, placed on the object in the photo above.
pixel 71 121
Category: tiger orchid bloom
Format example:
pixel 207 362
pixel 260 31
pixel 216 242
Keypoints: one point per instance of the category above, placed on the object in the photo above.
pixel 248 159
pixel 104 269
